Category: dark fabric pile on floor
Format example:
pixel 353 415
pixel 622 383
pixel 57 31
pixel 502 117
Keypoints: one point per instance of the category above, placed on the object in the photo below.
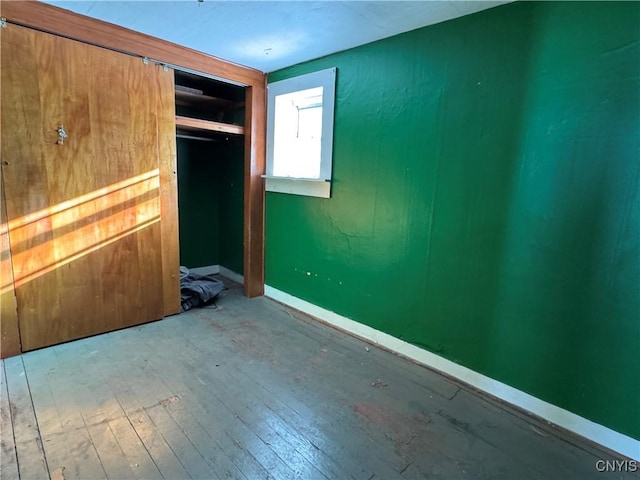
pixel 197 289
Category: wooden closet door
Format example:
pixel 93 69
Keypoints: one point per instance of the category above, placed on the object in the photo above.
pixel 9 335
pixel 83 213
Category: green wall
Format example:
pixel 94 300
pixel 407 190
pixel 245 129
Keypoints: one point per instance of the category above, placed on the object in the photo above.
pixel 210 203
pixel 232 207
pixel 485 202
pixel 198 204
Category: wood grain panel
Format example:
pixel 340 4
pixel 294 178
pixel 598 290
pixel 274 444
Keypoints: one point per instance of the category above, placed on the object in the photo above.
pixel 52 19
pixel 9 334
pixel 255 154
pixel 83 216
pixel 208 125
pixel 168 190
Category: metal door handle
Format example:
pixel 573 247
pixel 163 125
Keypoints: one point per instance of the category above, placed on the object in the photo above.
pixel 61 135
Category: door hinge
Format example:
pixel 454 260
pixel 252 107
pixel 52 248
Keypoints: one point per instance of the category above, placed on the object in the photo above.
pixel 3 22
pixel 145 60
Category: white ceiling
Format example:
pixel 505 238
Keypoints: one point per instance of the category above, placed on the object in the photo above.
pixel 268 35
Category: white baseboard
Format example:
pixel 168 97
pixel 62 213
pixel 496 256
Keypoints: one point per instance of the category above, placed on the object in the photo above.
pixel 597 433
pixel 231 275
pixel 208 270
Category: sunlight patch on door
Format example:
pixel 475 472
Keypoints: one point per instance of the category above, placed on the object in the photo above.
pixel 50 238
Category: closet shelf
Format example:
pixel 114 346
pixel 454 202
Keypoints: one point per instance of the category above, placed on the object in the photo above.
pixel 190 98
pixel 195 124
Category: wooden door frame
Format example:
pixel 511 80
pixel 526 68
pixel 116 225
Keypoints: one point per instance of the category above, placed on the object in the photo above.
pixel 55 20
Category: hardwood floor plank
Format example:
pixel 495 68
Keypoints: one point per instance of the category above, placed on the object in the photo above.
pixel 360 352
pixel 249 391
pixel 8 458
pixel 234 446
pixel 144 449
pixel 285 365
pixel 138 457
pixel 111 455
pixel 30 454
pixel 239 443
pixel 140 395
pixel 68 444
pixel 393 423
pixel 207 441
pixel 515 438
pixel 165 459
pixel 498 440
pixel 252 426
pixel 411 421
pixel 269 451
pixel 188 453
pixel 133 390
pixel 324 422
pixel 118 448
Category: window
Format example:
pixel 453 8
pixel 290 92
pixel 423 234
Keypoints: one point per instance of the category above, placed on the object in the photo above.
pixel 300 134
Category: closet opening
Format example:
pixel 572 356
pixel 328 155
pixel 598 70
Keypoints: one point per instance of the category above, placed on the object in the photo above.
pixel 210 116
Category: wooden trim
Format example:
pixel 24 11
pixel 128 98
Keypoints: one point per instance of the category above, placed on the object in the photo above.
pixel 168 193
pixel 52 19
pixel 254 155
pixel 55 20
pixel 198 124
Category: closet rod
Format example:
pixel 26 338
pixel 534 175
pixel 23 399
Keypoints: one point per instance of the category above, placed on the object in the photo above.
pixel 193 137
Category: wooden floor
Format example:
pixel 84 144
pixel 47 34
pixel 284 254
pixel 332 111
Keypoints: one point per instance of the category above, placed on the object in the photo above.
pixel 253 390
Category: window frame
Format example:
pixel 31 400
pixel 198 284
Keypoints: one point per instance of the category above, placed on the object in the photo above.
pixel 315 187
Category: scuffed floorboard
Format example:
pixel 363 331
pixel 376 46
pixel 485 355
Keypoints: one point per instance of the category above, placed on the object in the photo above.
pixel 30 458
pixel 254 390
pixel 8 457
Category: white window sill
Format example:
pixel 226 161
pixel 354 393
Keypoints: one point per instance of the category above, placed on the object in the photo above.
pixel 311 187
